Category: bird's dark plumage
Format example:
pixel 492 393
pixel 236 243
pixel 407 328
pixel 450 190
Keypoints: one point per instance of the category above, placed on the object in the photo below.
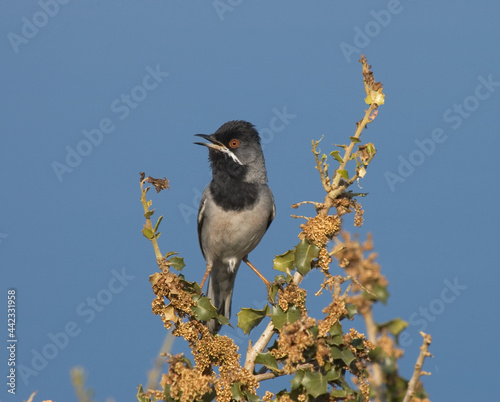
pixel 236 208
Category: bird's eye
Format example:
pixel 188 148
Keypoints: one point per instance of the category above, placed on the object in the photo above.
pixel 234 143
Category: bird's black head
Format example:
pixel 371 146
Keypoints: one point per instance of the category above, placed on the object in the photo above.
pixel 235 152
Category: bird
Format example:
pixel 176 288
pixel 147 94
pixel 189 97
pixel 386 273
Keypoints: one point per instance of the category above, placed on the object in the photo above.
pixel 236 209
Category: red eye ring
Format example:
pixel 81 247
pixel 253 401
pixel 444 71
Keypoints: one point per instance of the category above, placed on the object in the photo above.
pixel 234 143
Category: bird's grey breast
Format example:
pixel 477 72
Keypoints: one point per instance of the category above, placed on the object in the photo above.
pixel 229 234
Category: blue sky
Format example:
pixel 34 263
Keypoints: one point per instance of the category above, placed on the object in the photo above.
pixel 95 92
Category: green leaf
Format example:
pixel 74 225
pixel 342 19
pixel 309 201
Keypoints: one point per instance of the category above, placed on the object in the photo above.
pixel 315 383
pixel 148 233
pixel 166 394
pixel 343 354
pixel 170 253
pixel 351 310
pixel 380 292
pixel 190 287
pixel 343 146
pixel 335 334
pixel 204 310
pixel 284 261
pixel 376 354
pixel 268 360
pixel 240 395
pixel 354 139
pixel 237 392
pixel 149 213
pixel 248 318
pixel 351 194
pixel 305 252
pixel 370 148
pixel 314 330
pixel 343 173
pixel 347 356
pixel 296 381
pixel 177 263
pixel 251 397
pixel 358 343
pixel 139 396
pixel 223 320
pixel 336 155
pixel 207 397
pixel 280 317
pixel 336 329
pixel 273 290
pixel 158 223
pixel 333 374
pixel 338 393
pixel 394 326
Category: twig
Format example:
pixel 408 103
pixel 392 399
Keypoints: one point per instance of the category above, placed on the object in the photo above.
pixel 355 280
pixel 317 205
pixel 325 180
pixel 300 216
pixel 146 204
pixel 266 336
pixel 347 154
pixel 336 250
pixel 424 352
pixel 274 374
pixel 378 377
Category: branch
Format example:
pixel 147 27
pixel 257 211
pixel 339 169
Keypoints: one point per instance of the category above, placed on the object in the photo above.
pixel 354 140
pixel 266 336
pixel 378 377
pixel 147 214
pixel 317 205
pixel 321 166
pixel 271 375
pixel 424 352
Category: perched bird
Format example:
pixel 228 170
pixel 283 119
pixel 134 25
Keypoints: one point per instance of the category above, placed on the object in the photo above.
pixel 235 210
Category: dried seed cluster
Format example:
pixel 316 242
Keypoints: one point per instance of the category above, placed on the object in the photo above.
pixel 320 229
pixel 361 364
pixel 167 284
pixel 333 311
pixel 187 384
pixel 386 343
pixel 364 269
pixel 292 295
pixel 294 339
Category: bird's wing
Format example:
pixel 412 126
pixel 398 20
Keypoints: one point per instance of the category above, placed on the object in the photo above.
pixel 201 213
pixel 273 212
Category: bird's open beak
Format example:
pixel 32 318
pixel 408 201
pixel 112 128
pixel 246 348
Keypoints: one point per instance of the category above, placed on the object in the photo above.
pixel 218 146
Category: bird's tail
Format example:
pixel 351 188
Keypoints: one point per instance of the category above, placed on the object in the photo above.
pixel 220 291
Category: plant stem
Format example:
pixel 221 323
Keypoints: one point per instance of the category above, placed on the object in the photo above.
pixel 424 352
